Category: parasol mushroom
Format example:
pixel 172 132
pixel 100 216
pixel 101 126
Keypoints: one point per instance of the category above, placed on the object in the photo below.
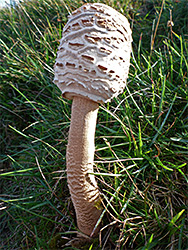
pixel 91 67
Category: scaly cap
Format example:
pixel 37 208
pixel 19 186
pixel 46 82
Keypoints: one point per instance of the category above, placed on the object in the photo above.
pixel 94 53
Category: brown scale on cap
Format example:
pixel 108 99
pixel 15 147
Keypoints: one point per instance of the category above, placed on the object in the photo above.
pixel 91 67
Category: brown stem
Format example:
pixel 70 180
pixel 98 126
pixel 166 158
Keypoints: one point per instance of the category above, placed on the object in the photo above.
pixel 80 154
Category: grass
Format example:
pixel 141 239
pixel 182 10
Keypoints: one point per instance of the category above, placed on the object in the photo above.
pixel 141 138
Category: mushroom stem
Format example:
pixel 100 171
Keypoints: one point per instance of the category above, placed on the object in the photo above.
pixel 80 154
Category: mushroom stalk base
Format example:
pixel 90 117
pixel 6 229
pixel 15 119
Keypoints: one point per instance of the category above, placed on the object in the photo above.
pixel 80 154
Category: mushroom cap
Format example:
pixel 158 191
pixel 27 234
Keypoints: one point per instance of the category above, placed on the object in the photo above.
pixel 94 53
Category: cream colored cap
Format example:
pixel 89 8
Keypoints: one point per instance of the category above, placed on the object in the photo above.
pixel 94 53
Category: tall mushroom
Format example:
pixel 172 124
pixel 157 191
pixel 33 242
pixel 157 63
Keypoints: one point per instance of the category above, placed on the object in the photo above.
pixel 91 67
